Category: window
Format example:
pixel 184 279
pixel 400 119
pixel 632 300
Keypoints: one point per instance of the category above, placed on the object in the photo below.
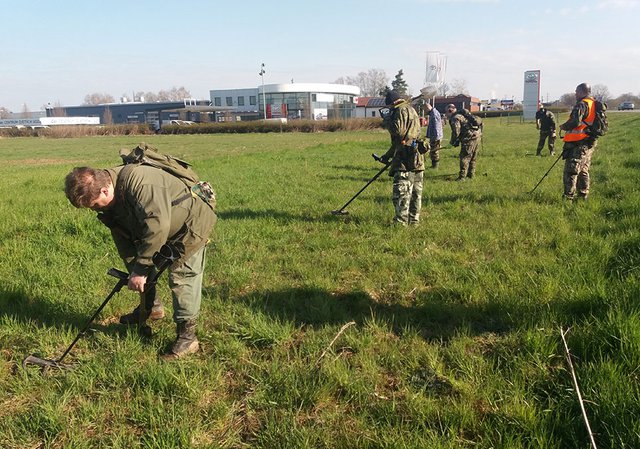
pixel 252 100
pixel 373 113
pixel 314 97
pixel 217 101
pixel 229 101
pixel 240 101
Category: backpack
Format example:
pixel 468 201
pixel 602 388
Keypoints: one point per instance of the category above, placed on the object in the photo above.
pixel 146 155
pixel 475 123
pixel 600 124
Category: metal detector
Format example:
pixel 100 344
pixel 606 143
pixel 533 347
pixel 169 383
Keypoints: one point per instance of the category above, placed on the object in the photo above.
pixel 545 175
pixel 342 210
pixel 161 259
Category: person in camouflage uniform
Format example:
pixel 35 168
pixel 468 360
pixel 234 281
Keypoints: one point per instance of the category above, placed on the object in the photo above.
pixel 407 161
pixel 146 207
pixel 546 123
pixel 434 134
pixel 463 134
pixel 579 145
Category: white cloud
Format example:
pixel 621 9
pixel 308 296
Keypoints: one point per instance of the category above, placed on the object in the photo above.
pixel 617 4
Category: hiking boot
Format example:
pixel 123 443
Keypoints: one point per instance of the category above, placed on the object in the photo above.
pixel 539 153
pixel 434 164
pixel 133 318
pixel 186 342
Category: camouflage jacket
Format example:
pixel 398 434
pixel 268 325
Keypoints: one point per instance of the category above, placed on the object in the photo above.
pixel 151 208
pixel 461 130
pixel 403 124
pixel 546 120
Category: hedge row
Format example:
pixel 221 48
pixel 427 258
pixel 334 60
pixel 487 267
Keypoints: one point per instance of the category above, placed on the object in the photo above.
pixel 262 126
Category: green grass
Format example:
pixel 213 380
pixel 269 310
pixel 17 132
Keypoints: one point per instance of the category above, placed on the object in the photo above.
pixel 456 339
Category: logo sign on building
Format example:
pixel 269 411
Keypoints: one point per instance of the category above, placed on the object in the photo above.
pixel 531 96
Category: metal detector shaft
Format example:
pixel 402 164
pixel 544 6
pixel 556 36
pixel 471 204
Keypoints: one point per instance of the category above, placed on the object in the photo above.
pixel 545 175
pixel 162 259
pixel 382 170
pixel 123 278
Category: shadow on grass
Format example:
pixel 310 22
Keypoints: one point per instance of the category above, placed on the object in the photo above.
pixel 273 214
pixel 27 309
pixel 437 315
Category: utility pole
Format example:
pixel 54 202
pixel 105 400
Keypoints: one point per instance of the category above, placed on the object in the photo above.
pixel 264 96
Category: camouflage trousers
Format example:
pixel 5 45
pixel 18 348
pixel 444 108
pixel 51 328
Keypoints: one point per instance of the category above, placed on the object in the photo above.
pixel 468 158
pixel 544 135
pixel 407 196
pixel 434 151
pixel 185 282
pixel 577 161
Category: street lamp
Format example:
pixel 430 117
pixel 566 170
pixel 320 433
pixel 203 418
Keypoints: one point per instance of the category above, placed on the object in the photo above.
pixel 264 96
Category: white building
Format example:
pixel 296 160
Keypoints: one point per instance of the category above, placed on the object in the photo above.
pixel 315 101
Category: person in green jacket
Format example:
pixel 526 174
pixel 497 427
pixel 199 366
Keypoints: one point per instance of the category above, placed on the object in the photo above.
pixel 146 207
pixel 407 159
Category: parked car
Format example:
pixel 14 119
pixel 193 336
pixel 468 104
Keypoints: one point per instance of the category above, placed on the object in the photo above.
pixel 626 106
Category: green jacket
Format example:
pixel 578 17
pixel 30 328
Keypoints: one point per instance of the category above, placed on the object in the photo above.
pixel 142 217
pixel 461 131
pixel 403 123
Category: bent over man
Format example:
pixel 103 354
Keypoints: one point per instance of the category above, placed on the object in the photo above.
pixel 407 161
pixel 466 135
pixel 146 207
pixel 578 144
pixel 546 123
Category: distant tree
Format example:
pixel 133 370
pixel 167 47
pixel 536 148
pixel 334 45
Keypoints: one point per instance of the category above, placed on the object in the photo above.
pixel 600 92
pixel 459 86
pixel 97 98
pixel 384 91
pixel 370 82
pixel 25 113
pixel 614 102
pixel 4 112
pixel 399 84
pixel 175 94
pixel 568 99
pixel 444 89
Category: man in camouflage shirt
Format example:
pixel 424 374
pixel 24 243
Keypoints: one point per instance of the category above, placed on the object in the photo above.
pixel 407 161
pixel 146 207
pixel 463 134
pixel 546 123
pixel 579 144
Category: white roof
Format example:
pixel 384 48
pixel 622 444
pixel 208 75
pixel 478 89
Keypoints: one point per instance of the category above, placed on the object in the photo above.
pixel 311 88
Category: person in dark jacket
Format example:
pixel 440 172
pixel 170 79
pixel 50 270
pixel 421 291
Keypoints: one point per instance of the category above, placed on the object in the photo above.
pixel 546 123
pixel 146 207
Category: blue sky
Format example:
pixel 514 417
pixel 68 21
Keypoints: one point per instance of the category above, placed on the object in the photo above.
pixel 60 51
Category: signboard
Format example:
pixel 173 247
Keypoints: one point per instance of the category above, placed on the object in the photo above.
pixel 531 95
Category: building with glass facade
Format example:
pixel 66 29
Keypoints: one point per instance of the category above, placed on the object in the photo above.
pixel 311 101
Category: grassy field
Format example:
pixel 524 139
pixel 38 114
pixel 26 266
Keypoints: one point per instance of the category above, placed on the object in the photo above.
pixel 456 335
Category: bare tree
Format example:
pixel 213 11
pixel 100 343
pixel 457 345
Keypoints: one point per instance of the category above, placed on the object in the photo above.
pixel 370 82
pixel 568 99
pixel 444 89
pixel 459 86
pixel 600 92
pixel 97 98
pixel 175 94
pixel 25 111
pixel 4 112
